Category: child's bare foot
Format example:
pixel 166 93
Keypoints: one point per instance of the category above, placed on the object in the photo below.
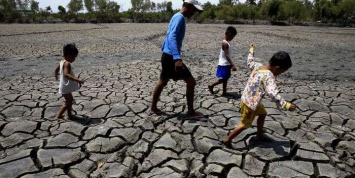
pixel 197 116
pixel 155 111
pixel 263 138
pixel 228 144
pixel 210 88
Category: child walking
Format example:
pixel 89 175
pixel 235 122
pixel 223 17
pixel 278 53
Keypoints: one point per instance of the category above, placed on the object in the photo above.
pixel 261 81
pixel 68 83
pixel 225 63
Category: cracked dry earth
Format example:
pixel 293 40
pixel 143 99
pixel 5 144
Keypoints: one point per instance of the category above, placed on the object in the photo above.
pixel 112 136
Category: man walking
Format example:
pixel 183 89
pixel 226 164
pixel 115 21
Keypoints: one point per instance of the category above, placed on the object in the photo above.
pixel 172 64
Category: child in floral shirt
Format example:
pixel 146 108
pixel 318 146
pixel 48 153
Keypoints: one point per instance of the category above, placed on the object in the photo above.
pixel 261 81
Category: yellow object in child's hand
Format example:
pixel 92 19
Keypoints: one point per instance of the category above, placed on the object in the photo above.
pixel 251 48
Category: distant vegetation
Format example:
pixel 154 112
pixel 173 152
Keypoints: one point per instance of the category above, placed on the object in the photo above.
pixel 230 11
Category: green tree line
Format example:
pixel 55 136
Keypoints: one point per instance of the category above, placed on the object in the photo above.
pixel 292 11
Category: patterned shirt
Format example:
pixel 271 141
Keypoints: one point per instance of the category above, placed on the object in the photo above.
pixel 259 83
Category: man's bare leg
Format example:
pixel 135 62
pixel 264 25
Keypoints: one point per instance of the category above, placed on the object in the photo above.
pixel 190 93
pixel 156 94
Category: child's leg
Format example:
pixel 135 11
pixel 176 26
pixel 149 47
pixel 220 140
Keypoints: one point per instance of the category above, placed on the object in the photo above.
pixel 260 126
pixel 217 82
pixel 248 116
pixel 261 112
pixel 59 115
pixel 69 103
pixel 235 132
pixel 225 87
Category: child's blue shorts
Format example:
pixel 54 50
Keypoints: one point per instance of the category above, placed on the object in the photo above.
pixel 224 72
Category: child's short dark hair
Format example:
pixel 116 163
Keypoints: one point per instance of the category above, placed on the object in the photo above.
pixel 70 49
pixel 281 59
pixel 231 31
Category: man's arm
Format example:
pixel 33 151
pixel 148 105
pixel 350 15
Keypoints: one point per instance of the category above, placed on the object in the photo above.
pixel 176 26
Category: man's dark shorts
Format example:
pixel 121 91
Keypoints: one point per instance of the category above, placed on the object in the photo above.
pixel 168 69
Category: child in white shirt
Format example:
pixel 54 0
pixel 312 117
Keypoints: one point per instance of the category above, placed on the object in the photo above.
pixel 68 83
pixel 225 63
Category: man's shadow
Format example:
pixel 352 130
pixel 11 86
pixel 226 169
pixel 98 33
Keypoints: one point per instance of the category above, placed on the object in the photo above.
pixel 85 120
pixel 185 117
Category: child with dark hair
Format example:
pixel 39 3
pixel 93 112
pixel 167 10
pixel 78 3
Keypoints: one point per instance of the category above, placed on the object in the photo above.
pixel 261 82
pixel 225 63
pixel 68 83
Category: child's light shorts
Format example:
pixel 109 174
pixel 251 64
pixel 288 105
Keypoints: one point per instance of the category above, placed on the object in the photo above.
pixel 248 114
